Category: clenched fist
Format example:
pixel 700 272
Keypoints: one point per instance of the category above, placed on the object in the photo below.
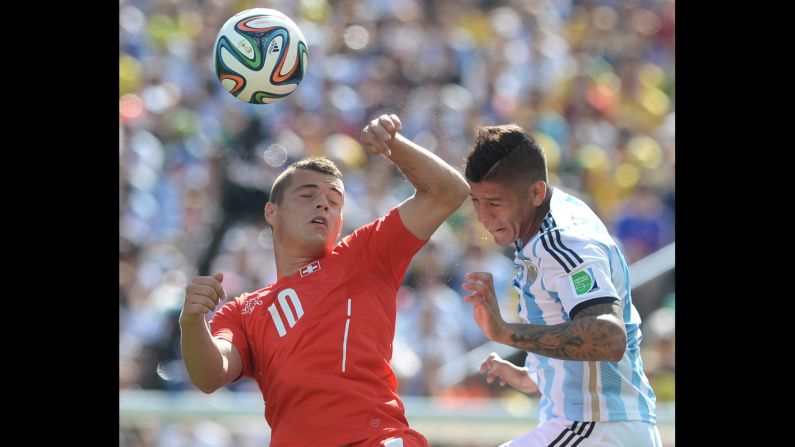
pixel 379 132
pixel 201 296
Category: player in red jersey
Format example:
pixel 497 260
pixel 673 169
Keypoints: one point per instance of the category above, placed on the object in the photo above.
pixel 318 341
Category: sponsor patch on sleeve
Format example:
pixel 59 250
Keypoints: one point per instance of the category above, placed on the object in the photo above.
pixel 584 282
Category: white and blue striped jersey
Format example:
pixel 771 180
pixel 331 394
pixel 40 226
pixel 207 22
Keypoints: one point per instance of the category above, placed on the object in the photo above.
pixel 570 263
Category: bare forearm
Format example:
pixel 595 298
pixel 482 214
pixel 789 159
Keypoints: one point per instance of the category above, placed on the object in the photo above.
pixel 523 382
pixel 203 359
pixel 590 339
pixel 428 173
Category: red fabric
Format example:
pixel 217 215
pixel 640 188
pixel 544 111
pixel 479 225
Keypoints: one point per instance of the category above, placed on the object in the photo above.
pixel 309 400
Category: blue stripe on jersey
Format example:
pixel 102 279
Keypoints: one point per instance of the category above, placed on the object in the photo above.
pixel 624 264
pixel 573 398
pixel 637 365
pixel 633 333
pixel 609 252
pixel 626 296
pixel 546 374
pixel 634 336
pixel 611 389
pixel 534 313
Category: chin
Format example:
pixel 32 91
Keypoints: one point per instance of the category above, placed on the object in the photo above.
pixel 503 239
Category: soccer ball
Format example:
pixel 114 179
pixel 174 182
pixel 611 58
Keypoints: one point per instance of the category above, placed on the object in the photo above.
pixel 260 56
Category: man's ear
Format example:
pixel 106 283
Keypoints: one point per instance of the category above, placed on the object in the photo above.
pixel 538 192
pixel 270 212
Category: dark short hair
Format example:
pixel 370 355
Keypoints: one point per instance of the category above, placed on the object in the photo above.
pixel 505 154
pixel 317 164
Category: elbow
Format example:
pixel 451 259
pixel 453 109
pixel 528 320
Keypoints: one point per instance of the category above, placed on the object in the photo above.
pixel 459 191
pixel 464 189
pixel 451 196
pixel 618 348
pixel 611 346
pixel 616 355
pixel 207 389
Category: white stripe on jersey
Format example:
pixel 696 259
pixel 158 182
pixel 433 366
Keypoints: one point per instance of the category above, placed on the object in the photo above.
pixel 550 308
pixel 345 337
pixel 557 388
pixel 590 406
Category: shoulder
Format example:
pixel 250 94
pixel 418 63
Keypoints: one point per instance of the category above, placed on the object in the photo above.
pixel 556 242
pixel 243 302
pixel 390 222
pixel 568 247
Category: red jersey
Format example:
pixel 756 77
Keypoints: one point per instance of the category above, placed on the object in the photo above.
pixel 319 343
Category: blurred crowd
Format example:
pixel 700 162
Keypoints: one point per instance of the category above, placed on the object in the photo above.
pixel 592 80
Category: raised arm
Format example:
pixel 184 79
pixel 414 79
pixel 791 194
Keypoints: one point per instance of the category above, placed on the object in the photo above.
pixel 211 362
pixel 440 189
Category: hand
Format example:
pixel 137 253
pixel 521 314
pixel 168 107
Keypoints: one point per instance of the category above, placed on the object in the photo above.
pixel 486 310
pixel 496 367
pixel 201 296
pixel 379 132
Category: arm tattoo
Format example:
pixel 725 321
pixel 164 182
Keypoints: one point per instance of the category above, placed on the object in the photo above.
pixel 587 337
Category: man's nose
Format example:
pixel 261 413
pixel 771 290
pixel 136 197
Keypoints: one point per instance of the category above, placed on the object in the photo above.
pixel 483 216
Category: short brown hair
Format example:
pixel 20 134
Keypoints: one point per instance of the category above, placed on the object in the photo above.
pixel 506 154
pixel 317 164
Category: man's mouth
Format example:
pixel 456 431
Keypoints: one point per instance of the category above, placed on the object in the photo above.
pixel 320 220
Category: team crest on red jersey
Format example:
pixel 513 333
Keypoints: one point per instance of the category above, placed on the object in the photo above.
pixel 250 304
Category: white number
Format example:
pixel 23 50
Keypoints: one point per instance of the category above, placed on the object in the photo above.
pixel 288 312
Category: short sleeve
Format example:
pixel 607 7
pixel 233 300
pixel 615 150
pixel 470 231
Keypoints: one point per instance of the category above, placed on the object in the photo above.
pixel 577 270
pixel 385 244
pixel 227 324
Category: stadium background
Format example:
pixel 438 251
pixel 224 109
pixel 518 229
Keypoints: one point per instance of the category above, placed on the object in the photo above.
pixel 593 80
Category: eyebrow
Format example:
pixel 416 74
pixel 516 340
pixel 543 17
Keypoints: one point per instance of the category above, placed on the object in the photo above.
pixel 490 199
pixel 312 185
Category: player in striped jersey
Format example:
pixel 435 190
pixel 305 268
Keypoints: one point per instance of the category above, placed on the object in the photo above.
pixel 579 327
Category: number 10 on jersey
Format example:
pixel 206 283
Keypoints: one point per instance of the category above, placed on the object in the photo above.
pixel 288 312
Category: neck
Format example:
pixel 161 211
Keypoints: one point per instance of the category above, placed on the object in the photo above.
pixel 537 220
pixel 288 262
